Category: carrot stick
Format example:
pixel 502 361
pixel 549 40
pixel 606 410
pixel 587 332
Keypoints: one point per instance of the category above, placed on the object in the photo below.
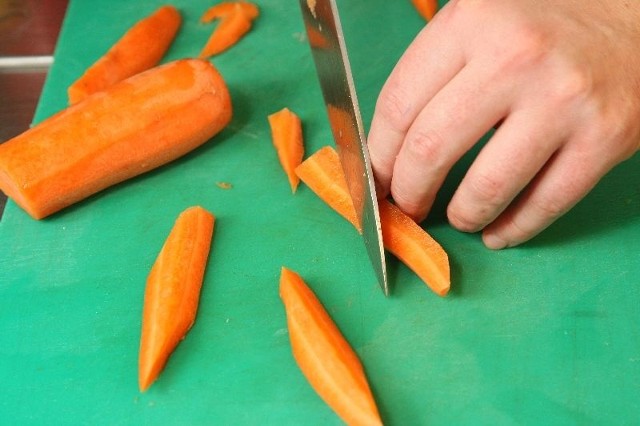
pixel 173 290
pixel 236 20
pixel 404 238
pixel 323 174
pixel 139 49
pixel 134 126
pixel 324 355
pixel 426 8
pixel 286 134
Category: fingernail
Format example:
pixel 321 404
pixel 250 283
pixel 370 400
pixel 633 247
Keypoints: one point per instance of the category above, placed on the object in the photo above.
pixel 493 241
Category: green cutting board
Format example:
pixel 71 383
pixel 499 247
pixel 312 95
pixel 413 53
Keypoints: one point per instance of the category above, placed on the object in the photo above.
pixel 547 333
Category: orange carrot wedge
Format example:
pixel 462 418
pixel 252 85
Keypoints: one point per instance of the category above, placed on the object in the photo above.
pixel 134 126
pixel 139 49
pixel 324 356
pixel 236 20
pixel 286 134
pixel 222 10
pixel 323 174
pixel 173 290
pixel 415 248
pixel 404 238
pixel 426 8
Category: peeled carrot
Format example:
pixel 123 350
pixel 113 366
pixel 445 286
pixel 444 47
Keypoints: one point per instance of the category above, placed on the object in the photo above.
pixel 324 355
pixel 426 8
pixel 323 174
pixel 286 134
pixel 404 238
pixel 173 290
pixel 236 19
pixel 415 248
pixel 132 127
pixel 139 49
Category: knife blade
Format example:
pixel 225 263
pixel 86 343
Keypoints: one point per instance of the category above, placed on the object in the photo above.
pixel 328 48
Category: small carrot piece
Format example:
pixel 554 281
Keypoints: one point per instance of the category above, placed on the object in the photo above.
pixel 173 291
pixel 134 126
pixel 323 174
pixel 286 135
pixel 404 238
pixel 426 8
pixel 139 49
pixel 236 20
pixel 324 356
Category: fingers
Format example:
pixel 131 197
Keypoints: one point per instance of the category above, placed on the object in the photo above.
pixel 427 65
pixel 448 126
pixel 509 161
pixel 564 181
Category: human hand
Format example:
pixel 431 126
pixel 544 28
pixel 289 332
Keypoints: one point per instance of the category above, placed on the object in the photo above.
pixel 561 78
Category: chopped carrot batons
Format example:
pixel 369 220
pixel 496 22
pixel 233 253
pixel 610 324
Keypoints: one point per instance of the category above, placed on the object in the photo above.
pixel 324 355
pixel 173 291
pixel 426 8
pixel 236 20
pixel 139 49
pixel 286 135
pixel 323 174
pixel 134 126
pixel 404 238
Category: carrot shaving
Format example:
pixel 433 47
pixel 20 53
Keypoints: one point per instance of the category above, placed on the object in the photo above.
pixel 426 8
pixel 324 356
pixel 236 20
pixel 139 49
pixel 173 291
pixel 404 238
pixel 286 135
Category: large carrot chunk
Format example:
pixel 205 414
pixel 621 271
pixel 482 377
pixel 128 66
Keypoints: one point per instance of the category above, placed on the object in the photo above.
pixel 404 238
pixel 134 126
pixel 324 355
pixel 173 291
pixel 236 20
pixel 323 174
pixel 286 135
pixel 139 49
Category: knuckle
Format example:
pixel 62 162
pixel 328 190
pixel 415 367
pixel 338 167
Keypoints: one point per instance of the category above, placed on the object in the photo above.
pixel 462 219
pixel 528 48
pixel 488 189
pixel 394 107
pixel 425 146
pixel 548 206
pixel 573 84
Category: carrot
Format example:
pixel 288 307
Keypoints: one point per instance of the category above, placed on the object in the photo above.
pixel 236 19
pixel 173 290
pixel 139 49
pixel 134 126
pixel 404 238
pixel 426 8
pixel 324 355
pixel 323 174
pixel 286 134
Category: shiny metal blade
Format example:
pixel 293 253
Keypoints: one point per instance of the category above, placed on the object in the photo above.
pixel 329 52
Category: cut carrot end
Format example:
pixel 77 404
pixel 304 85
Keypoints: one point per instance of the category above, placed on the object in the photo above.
pixel 324 355
pixel 286 135
pixel 426 8
pixel 173 291
pixel 224 9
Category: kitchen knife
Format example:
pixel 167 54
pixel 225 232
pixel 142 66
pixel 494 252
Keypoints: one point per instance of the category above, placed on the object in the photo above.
pixel 328 48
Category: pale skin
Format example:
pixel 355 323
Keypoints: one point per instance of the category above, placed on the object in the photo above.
pixel 558 79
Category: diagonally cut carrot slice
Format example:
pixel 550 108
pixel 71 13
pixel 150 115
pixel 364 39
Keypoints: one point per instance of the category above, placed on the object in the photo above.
pixel 286 135
pixel 173 291
pixel 426 8
pixel 324 355
pixel 139 49
pixel 236 20
pixel 323 174
pixel 404 238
